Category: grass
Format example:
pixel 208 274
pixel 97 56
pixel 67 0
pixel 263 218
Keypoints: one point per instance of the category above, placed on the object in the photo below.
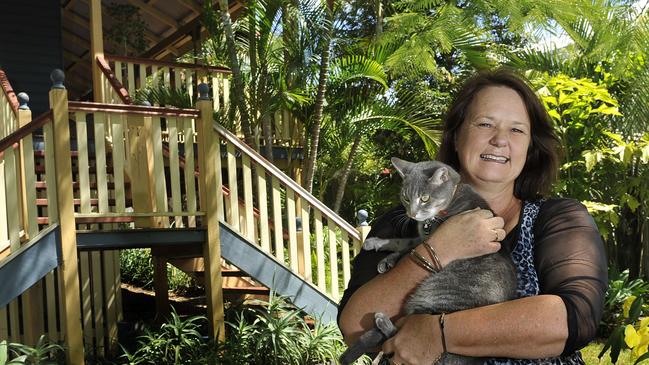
pixel 591 351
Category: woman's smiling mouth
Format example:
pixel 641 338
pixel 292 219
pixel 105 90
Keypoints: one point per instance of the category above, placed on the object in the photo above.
pixel 494 158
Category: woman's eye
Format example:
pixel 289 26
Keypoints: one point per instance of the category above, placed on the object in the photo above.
pixel 424 198
pixel 484 124
pixel 516 130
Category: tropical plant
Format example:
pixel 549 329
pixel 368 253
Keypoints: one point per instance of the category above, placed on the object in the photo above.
pixel 176 342
pixel 277 333
pixel 632 334
pixel 44 353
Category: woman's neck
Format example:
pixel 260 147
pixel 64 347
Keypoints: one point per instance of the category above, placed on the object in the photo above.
pixel 505 205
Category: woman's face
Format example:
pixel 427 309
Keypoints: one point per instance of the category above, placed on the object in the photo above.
pixel 492 141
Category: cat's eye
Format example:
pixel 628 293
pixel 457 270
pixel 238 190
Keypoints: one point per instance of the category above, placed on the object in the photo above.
pixel 405 199
pixel 424 198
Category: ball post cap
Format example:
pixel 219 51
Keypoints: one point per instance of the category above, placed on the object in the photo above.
pixel 58 77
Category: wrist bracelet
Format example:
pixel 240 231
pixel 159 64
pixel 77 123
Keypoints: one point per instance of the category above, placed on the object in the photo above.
pixel 433 255
pixel 422 262
pixel 441 328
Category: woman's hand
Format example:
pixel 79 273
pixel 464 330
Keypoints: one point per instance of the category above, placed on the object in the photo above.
pixel 469 234
pixel 417 341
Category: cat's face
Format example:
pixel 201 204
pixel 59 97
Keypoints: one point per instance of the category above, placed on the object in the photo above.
pixel 427 188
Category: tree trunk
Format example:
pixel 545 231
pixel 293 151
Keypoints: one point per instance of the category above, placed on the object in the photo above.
pixel 318 108
pixel 346 171
pixel 379 18
pixel 239 90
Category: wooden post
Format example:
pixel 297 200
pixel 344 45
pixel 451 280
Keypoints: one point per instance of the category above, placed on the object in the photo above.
pixel 71 321
pixel 208 152
pixel 32 317
pixel 363 228
pixel 96 48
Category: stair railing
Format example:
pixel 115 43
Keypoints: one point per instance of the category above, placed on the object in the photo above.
pixel 293 226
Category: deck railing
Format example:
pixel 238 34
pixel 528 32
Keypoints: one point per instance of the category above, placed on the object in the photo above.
pixel 129 75
pixel 38 308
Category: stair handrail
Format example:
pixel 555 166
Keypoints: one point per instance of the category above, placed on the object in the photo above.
pixel 148 61
pixel 88 106
pixel 104 67
pixel 281 176
pixel 12 139
pixel 9 92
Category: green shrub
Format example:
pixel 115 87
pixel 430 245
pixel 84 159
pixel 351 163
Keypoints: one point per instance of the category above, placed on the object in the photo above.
pixel 177 342
pixel 137 269
pixel 44 353
pixel 619 289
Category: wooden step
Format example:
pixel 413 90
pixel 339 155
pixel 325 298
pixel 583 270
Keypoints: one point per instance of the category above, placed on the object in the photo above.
pixel 42 202
pixel 75 185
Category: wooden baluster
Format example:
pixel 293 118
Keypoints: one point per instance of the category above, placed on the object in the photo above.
pixel 142 75
pixel 13 226
pixel 319 250
pixel 277 220
pixel 346 266
pixel 86 296
pixel 333 260
pixel 130 72
pixel 119 157
pixel 233 213
pixel 103 207
pixel 166 77
pixel 220 197
pixel 292 234
pixel 190 178
pixel 158 165
pixel 118 72
pixel 177 78
pixel 84 195
pixel 33 299
pixel 216 92
pixel 189 84
pixel 305 245
pixel 247 195
pixel 262 203
pixel 174 170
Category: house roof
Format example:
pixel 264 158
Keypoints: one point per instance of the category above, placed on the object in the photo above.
pixel 172 29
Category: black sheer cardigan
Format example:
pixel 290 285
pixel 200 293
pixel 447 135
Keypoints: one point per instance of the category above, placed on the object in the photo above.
pixel 569 258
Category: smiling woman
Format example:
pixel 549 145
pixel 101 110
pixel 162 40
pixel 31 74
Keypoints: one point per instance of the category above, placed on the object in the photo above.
pixel 498 135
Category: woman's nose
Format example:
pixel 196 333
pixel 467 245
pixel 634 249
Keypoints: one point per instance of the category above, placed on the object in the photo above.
pixel 499 138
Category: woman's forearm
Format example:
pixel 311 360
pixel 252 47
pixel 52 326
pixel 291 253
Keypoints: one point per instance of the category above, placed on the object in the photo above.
pixel 532 327
pixel 385 293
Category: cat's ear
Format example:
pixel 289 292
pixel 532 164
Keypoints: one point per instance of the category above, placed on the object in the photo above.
pixel 440 176
pixel 403 167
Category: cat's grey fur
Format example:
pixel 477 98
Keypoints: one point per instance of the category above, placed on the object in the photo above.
pixel 462 284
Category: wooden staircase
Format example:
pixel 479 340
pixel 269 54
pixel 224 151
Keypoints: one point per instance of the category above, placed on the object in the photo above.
pixel 196 195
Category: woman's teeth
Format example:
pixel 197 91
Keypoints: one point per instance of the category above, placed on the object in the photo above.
pixel 500 159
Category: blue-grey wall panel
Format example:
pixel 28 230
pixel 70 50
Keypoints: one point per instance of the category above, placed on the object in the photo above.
pixel 269 272
pixel 30 264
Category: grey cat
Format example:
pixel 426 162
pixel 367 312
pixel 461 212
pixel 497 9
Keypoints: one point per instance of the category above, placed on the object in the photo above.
pixel 432 192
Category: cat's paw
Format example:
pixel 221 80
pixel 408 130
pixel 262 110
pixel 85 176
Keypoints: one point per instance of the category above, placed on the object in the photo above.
pixel 384 324
pixel 385 265
pixel 374 243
